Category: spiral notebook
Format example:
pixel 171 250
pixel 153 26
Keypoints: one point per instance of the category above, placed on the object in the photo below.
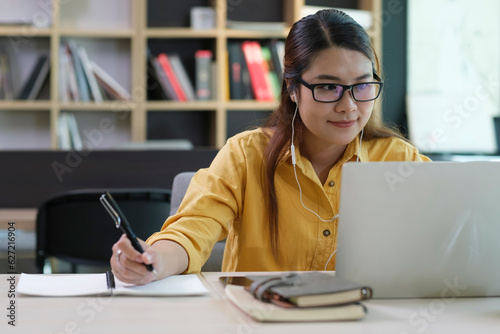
pixel 106 284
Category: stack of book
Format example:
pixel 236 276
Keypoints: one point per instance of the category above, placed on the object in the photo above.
pixel 82 80
pixel 168 78
pixel 255 70
pixel 309 296
pixel 31 88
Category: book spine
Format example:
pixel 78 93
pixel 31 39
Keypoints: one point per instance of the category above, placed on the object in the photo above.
pixel 154 87
pixel 40 79
pixel 255 63
pixel 73 86
pixel 109 84
pixel 203 60
pixel 272 76
pixel 37 77
pixel 164 82
pixel 81 79
pixel 63 76
pixel 63 132
pixel 182 76
pixel 169 72
pixel 235 72
pixel 87 67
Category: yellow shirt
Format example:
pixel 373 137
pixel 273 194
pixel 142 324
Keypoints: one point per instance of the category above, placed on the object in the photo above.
pixel 227 199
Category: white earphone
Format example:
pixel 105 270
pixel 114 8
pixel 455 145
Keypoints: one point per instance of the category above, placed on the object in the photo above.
pixel 294 162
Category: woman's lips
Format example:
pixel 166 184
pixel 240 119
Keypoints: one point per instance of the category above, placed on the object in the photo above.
pixel 343 124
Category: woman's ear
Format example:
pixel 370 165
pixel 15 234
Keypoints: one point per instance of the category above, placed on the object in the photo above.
pixel 293 94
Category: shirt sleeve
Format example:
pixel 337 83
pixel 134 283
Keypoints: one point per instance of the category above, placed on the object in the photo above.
pixel 212 201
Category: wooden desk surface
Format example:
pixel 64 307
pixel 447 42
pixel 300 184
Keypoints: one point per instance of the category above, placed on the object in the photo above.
pixel 216 314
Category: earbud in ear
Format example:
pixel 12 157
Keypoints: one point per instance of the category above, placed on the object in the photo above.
pixel 294 97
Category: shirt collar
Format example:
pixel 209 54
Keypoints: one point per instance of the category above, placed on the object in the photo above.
pixel 352 153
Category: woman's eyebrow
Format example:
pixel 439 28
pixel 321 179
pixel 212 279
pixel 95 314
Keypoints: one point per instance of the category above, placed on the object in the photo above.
pixel 332 77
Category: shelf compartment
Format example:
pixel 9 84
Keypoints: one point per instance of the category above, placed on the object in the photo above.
pixel 101 130
pixel 24 129
pixel 174 124
pixel 241 120
pixel 96 15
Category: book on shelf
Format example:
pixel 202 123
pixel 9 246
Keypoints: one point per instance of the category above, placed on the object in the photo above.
pixel 272 75
pixel 68 134
pixel 67 76
pixel 154 89
pixel 6 77
pixel 64 94
pixel 239 78
pixel 182 76
pixel 109 84
pixel 81 80
pixel 258 74
pixel 277 48
pixel 63 135
pixel 106 284
pixel 168 89
pixel 74 132
pixel 204 74
pixel 89 75
pixel 32 86
pixel 167 67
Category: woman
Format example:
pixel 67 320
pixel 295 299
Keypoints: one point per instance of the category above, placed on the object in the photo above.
pixel 274 191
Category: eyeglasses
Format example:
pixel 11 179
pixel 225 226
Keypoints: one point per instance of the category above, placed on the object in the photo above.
pixel 330 92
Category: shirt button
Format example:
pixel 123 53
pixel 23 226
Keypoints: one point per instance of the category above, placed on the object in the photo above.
pixel 326 233
pixel 331 183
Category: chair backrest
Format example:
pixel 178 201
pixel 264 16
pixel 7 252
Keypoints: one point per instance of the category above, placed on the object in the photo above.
pixel 179 186
pixel 75 227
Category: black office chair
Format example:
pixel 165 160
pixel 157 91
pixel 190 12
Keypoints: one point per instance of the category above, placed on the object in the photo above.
pixel 75 227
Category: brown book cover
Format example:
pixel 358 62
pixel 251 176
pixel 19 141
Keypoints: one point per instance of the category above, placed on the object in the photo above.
pixel 269 312
pixel 308 289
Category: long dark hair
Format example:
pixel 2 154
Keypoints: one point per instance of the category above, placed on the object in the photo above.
pixel 306 39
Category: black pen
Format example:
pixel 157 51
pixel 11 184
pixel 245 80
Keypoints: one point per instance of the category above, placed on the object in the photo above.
pixel 121 222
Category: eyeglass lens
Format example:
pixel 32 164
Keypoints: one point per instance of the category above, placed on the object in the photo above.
pixel 361 92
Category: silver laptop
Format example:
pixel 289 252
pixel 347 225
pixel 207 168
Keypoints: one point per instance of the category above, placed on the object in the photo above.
pixel 413 230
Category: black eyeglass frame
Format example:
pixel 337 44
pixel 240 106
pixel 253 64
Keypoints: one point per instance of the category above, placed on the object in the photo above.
pixel 344 88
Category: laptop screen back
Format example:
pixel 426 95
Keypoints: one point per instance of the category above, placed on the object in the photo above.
pixel 411 229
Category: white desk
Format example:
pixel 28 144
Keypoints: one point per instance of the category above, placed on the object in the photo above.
pixel 215 314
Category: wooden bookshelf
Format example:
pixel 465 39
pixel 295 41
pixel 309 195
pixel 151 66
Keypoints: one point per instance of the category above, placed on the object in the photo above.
pixel 127 40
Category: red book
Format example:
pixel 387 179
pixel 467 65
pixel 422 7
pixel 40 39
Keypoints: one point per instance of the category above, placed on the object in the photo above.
pixel 169 72
pixel 256 68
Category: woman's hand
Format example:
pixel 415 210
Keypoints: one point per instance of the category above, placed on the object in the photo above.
pixel 127 263
pixel 167 257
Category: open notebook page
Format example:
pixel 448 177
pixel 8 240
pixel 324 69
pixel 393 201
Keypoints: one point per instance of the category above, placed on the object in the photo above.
pixel 63 285
pixel 96 284
pixel 179 285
